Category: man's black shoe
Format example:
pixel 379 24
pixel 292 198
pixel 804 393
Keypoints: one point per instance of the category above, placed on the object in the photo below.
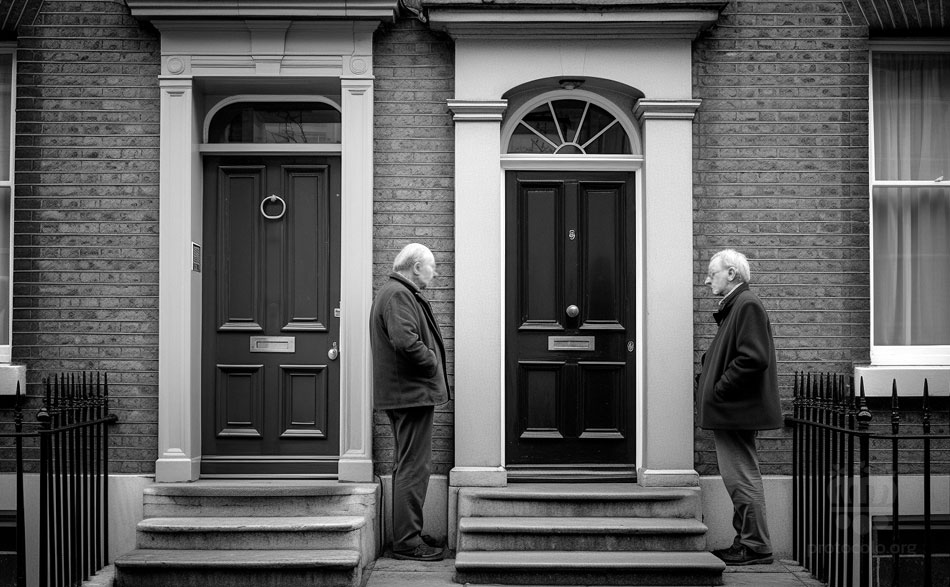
pixel 433 541
pixel 423 552
pixel 740 556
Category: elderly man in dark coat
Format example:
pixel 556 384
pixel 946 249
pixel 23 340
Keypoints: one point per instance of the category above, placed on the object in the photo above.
pixel 409 380
pixel 738 395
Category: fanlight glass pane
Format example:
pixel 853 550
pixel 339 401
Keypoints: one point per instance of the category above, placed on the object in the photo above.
pixel 569 127
pixel 265 122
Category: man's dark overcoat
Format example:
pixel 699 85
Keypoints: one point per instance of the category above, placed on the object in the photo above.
pixel 738 386
pixel 408 351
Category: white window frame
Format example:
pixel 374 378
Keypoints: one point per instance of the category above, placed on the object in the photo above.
pixel 6 350
pixel 923 355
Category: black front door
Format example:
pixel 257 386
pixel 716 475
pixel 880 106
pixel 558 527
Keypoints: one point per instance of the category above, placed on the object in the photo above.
pixel 271 284
pixel 570 362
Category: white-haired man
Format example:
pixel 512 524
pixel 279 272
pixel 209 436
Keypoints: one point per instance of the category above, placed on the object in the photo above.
pixel 738 396
pixel 409 380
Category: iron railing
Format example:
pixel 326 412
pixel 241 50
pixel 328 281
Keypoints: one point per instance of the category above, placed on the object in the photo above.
pixel 73 436
pixel 831 465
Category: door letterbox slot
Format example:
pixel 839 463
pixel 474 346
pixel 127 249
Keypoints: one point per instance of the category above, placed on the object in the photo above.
pixel 570 343
pixel 273 344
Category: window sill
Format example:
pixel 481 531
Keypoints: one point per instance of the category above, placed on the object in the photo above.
pixel 910 380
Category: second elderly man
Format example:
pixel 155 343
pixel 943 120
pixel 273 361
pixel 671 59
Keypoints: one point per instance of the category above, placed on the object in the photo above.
pixel 409 380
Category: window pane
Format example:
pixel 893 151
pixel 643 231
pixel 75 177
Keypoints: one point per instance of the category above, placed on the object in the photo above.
pixel 4 265
pixel 579 123
pixel 911 115
pixel 6 86
pixel 911 266
pixel 526 141
pixel 276 123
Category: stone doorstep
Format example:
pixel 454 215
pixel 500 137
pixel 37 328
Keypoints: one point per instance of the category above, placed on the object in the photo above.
pixel 581 525
pixel 260 488
pixel 254 524
pixel 144 559
pixel 586 561
pixel 589 492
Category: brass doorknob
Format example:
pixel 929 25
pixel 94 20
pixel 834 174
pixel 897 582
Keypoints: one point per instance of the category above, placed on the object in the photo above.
pixel 573 311
pixel 333 353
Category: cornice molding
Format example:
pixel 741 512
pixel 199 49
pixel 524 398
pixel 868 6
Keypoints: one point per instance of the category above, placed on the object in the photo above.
pixel 478 111
pixel 312 9
pixel 646 21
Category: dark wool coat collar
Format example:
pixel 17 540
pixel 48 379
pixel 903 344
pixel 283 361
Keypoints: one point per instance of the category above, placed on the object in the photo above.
pixel 728 302
pixel 405 281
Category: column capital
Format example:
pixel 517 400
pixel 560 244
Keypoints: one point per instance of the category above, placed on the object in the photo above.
pixel 666 109
pixel 478 110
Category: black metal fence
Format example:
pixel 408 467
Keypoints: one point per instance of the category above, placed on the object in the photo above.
pixel 831 464
pixel 72 431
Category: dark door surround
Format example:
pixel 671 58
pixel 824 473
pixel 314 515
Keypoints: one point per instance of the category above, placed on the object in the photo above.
pixel 570 378
pixel 271 284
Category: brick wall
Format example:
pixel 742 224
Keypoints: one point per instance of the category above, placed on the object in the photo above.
pixel 781 174
pixel 413 197
pixel 86 220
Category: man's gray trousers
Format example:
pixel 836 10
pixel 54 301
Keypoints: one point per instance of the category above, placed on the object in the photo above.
pixel 412 461
pixel 739 467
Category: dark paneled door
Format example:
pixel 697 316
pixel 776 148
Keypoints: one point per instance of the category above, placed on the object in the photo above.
pixel 570 362
pixel 271 288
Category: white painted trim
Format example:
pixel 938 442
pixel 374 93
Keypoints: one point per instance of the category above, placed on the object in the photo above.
pixel 268 149
pixel 532 162
pixel 256 50
pixel 629 126
pixel 356 283
pixel 571 24
pixel 6 350
pixel 154 9
pixel 260 98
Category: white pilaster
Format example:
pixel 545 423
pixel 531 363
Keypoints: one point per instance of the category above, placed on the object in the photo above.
pixel 666 417
pixel 479 286
pixel 356 282
pixel 179 356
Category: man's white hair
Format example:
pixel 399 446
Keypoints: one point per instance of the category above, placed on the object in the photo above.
pixel 410 255
pixel 733 258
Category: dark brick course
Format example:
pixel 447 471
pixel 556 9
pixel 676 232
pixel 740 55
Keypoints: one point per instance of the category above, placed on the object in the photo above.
pixel 86 220
pixel 413 196
pixel 781 174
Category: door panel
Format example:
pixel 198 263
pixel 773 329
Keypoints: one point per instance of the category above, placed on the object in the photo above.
pixel 570 378
pixel 270 285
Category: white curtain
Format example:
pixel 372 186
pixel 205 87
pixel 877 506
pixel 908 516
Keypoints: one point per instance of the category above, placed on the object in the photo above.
pixel 911 224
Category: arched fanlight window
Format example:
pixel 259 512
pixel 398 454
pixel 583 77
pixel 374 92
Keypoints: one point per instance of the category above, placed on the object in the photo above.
pixel 569 127
pixel 276 122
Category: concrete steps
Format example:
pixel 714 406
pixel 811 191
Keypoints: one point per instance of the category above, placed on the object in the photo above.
pixel 237 533
pixel 589 534
pixel 583 534
pixel 588 568
pixel 267 533
pixel 239 568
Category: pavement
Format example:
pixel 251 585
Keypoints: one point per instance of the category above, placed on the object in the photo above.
pixel 388 572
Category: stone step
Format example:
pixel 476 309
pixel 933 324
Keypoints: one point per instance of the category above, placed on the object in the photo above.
pixel 238 568
pixel 588 568
pixel 625 500
pixel 265 498
pixel 247 533
pixel 587 534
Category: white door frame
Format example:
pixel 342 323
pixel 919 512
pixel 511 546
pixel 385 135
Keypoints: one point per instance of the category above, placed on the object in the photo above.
pixel 497 51
pixel 258 50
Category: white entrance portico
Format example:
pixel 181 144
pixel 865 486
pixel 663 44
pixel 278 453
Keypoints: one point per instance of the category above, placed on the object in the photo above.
pixel 640 48
pixel 212 50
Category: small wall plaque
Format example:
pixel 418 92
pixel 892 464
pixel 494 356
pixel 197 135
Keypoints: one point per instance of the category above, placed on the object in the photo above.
pixel 196 257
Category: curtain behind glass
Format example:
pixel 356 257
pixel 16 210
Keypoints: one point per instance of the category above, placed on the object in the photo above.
pixel 911 225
